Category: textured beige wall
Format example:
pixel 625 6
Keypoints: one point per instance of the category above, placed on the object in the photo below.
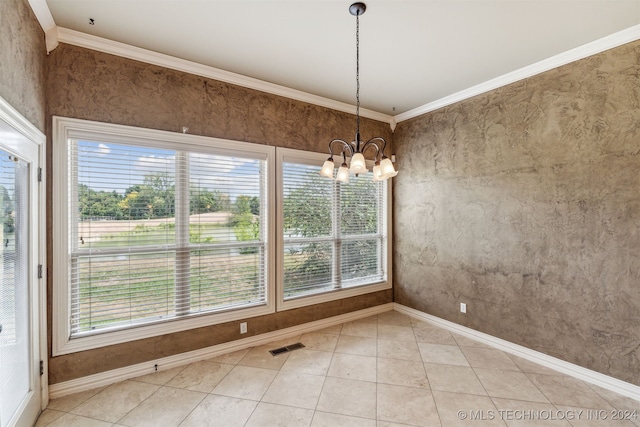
pixel 90 85
pixel 524 203
pixel 22 60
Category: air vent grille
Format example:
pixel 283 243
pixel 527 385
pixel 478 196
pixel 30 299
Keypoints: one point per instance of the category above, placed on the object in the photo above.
pixel 277 351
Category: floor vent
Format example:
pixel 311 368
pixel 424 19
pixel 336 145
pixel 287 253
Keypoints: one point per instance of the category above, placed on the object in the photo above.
pixel 286 349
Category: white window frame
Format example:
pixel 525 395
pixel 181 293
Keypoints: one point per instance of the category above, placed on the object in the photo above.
pixel 67 128
pixel 284 155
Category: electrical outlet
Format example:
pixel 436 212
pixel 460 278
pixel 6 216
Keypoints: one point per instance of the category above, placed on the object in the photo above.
pixel 243 327
pixel 463 307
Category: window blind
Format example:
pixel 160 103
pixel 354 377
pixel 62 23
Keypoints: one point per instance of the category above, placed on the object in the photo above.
pixel 158 233
pixel 334 233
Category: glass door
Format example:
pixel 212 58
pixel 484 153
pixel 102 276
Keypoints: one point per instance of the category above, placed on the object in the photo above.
pixel 19 350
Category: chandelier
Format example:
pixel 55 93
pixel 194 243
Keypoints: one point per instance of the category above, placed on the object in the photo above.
pixel 383 167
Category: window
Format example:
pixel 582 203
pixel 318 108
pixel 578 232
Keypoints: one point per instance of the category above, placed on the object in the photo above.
pixel 334 236
pixel 154 226
pixel 158 232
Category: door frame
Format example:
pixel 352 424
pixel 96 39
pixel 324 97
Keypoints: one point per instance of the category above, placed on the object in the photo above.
pixel 38 294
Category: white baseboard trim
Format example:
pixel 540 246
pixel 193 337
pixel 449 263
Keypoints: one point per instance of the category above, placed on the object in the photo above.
pixel 109 377
pixel 601 380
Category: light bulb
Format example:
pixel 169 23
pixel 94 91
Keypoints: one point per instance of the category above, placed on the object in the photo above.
pixel 343 174
pixel 327 168
pixel 376 172
pixel 358 164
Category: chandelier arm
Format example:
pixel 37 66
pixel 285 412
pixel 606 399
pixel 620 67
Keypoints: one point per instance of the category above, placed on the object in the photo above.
pixel 375 141
pixel 344 144
pixel 371 143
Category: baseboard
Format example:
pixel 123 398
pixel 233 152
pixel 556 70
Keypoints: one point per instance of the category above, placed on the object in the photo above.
pixel 601 380
pixel 109 377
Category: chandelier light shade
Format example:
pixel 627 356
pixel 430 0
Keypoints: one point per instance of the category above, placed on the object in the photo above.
pixel 383 167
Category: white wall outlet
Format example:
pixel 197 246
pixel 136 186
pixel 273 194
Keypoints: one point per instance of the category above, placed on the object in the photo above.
pixel 463 307
pixel 243 327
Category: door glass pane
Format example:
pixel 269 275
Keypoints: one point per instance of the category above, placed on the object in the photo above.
pixel 14 281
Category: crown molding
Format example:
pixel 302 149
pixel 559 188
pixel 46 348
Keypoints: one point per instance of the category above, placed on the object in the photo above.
pixel 43 14
pixel 609 42
pixel 100 44
pixel 55 35
pixel 44 17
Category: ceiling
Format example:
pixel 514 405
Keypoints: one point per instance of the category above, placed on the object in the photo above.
pixel 412 53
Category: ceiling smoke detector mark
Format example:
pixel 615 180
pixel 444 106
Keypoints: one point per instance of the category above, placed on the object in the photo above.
pixel 92 21
pixel 286 349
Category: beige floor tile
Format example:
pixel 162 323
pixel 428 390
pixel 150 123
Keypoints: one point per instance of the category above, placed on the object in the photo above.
pixel 404 350
pixel 509 384
pixel 368 319
pixel 294 389
pixel 402 372
pixel 220 411
pixel 396 333
pixel 468 342
pixel 47 417
pixel 67 403
pixel 387 424
pixel 325 419
pixel 516 413
pixel 73 420
pixel 201 376
pixel 259 357
pixel 360 329
pixel 319 342
pixel 350 373
pixel 567 391
pixel 308 362
pixel 454 379
pixel 160 377
pixel 232 358
pixel 488 358
pixel 353 367
pixel 394 318
pixel 456 409
pixel 268 414
pixel 406 405
pixel 245 382
pixel 171 405
pixel 356 345
pixel 334 330
pixel 531 367
pixel 443 354
pixel 115 401
pixel 433 335
pixel 348 397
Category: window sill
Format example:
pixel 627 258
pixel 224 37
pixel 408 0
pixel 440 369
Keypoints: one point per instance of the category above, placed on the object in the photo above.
pixel 319 298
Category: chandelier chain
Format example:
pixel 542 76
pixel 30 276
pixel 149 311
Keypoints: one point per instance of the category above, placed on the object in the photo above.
pixel 383 168
pixel 357 80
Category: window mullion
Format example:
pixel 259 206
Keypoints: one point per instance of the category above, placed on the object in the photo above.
pixel 183 258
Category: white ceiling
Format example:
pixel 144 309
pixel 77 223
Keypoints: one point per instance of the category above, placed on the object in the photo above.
pixel 412 53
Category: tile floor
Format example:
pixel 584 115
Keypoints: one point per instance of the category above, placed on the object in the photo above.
pixel 386 370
